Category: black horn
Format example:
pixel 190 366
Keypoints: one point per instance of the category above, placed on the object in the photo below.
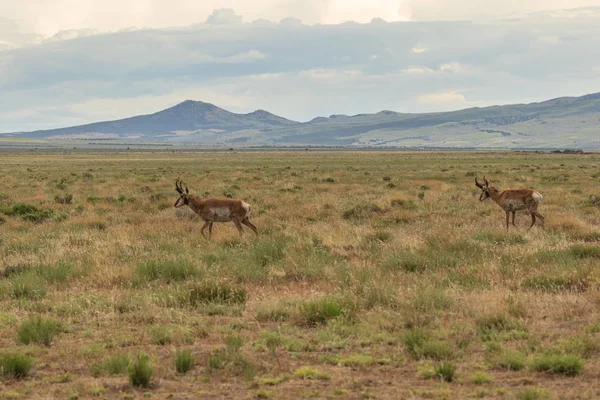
pixel 178 187
pixel 479 185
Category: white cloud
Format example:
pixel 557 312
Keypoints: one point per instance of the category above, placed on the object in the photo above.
pixel 244 57
pixel 417 70
pixel 448 100
pixel 51 16
pixel 329 74
pixel 295 70
pixel 453 10
pixel 338 11
pixel 452 67
pixel 224 16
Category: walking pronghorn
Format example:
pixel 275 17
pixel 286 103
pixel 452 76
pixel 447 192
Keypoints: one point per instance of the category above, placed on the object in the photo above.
pixel 216 210
pixel 512 201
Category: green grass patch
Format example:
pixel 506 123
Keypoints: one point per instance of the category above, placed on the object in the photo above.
pixel 499 326
pixel 588 237
pixel 273 313
pixel 231 358
pixel 268 252
pixel 270 381
pixel 582 251
pixel 356 360
pixel 58 273
pixel 167 271
pixel 556 283
pixel 583 346
pixel 414 339
pixel 407 261
pixel 362 211
pixel 140 371
pixel 311 373
pixel 38 330
pixel 161 335
pixel 14 365
pixel 216 293
pixel 446 371
pixel 561 364
pixel 420 345
pixel 512 360
pixel 533 394
pixel 114 365
pixel 184 360
pixel 27 287
pixel 28 212
pixel 480 378
pixel 320 311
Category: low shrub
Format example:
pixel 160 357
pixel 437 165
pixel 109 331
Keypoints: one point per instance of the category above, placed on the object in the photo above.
pixel 140 371
pixel 38 330
pixel 184 361
pixel 14 365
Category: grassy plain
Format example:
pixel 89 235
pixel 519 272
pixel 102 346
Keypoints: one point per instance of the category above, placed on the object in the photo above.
pixel 375 275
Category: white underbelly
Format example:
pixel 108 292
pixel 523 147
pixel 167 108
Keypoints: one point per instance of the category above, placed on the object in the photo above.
pixel 221 214
pixel 515 205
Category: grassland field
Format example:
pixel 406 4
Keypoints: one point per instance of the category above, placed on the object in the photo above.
pixel 375 275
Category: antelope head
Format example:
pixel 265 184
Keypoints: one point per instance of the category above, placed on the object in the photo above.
pixel 485 193
pixel 183 196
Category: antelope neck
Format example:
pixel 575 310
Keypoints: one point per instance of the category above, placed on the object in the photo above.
pixel 494 193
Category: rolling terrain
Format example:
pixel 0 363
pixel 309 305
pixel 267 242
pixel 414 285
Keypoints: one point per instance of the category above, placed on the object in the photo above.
pixel 567 122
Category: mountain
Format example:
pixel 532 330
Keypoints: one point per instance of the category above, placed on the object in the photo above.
pixel 186 118
pixel 566 122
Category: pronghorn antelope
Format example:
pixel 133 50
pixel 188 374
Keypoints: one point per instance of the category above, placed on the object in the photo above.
pixel 512 201
pixel 216 210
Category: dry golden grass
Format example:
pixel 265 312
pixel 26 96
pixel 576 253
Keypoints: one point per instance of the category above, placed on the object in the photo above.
pixel 372 269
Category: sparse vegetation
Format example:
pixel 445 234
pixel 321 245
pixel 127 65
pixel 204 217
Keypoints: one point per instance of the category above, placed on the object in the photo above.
pixel 349 282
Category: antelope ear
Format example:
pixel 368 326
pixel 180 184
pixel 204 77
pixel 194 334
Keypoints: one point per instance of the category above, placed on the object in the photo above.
pixel 187 191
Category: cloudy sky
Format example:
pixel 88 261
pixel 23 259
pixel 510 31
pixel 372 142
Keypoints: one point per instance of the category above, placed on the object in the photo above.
pixel 70 62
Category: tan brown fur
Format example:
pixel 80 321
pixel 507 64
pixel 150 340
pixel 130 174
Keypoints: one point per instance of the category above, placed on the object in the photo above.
pixel 513 200
pixel 216 210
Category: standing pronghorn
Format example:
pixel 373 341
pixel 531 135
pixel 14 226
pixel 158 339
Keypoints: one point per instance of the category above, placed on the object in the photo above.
pixel 512 201
pixel 216 210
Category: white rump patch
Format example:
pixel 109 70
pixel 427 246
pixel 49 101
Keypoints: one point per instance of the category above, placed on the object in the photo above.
pixel 246 207
pixel 537 197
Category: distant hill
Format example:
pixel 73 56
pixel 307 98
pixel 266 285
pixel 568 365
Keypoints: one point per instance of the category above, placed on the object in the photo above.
pixel 566 122
pixel 186 118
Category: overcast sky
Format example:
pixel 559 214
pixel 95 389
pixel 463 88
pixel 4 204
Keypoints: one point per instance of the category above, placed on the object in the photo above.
pixel 70 62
